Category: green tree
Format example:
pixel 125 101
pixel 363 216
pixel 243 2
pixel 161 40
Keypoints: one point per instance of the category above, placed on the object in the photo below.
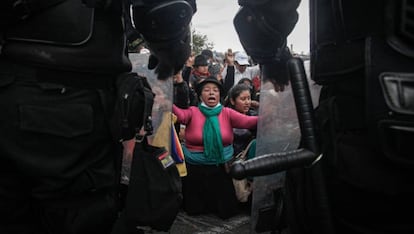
pixel 200 42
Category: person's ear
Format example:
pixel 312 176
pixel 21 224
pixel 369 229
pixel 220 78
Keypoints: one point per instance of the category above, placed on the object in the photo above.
pixel 232 101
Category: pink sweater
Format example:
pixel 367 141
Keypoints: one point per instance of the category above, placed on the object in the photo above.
pixel 194 121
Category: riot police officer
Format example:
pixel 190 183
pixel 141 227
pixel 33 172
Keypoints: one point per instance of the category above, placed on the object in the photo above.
pixel 361 54
pixel 59 63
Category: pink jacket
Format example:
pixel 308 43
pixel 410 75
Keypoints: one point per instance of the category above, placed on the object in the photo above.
pixel 194 121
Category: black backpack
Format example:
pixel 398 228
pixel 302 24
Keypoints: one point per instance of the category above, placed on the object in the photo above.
pixel 133 106
pixel 153 197
pixel 154 193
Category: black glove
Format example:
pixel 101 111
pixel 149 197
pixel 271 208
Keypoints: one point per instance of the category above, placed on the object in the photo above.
pixel 165 28
pixel 263 26
pixel 169 59
pixel 277 70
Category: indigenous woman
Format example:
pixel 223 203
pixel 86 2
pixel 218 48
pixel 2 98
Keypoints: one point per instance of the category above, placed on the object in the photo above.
pixel 208 188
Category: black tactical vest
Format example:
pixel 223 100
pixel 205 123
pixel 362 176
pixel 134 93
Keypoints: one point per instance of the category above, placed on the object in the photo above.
pixel 70 36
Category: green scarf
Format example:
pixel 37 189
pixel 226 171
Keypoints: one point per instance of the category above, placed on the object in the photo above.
pixel 213 144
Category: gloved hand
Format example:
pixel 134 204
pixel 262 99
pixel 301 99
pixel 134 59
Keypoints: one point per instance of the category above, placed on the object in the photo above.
pixel 165 28
pixel 277 71
pixel 168 60
pixel 263 27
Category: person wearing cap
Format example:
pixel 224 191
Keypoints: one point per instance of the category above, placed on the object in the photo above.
pixel 208 146
pixel 200 70
pixel 214 67
pixel 198 73
pixel 237 67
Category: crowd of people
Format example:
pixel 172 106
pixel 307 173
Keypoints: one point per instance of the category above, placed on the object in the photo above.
pixel 216 125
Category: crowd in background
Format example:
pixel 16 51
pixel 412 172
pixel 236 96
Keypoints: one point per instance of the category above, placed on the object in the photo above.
pixel 231 70
pixel 231 87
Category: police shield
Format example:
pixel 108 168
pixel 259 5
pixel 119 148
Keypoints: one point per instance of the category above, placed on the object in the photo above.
pixel 160 115
pixel 161 88
pixel 278 132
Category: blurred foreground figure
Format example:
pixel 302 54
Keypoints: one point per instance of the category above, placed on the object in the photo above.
pixel 362 55
pixel 59 63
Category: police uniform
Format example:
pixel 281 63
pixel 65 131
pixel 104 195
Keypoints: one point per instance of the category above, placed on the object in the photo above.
pixel 58 65
pixel 362 54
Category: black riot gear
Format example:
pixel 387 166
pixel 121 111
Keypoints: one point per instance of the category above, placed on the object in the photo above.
pixel 361 55
pixel 70 43
pixel 263 27
pixel 363 60
pixel 59 62
pixel 165 28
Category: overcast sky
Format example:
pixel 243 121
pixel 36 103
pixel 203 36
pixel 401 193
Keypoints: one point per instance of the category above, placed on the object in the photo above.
pixel 214 18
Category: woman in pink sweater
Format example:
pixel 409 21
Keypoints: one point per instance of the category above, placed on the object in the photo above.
pixel 208 146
